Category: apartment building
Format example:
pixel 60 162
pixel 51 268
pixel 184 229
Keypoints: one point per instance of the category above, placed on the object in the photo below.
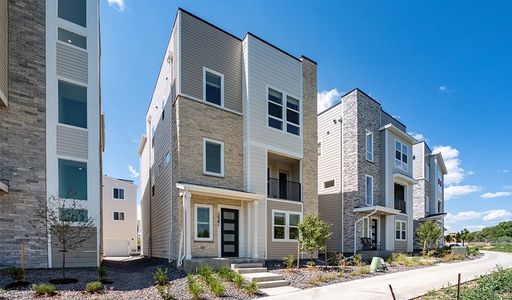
pixel 429 170
pixel 365 176
pixel 49 124
pixel 228 160
pixel 119 217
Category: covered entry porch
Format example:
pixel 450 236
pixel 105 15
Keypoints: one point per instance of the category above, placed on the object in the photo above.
pixel 374 228
pixel 217 223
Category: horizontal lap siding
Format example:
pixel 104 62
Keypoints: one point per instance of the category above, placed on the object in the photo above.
pixel 278 250
pixel 84 256
pixel 205 46
pixel 72 63
pixel 329 210
pixel 418 161
pixel 72 142
pixel 329 162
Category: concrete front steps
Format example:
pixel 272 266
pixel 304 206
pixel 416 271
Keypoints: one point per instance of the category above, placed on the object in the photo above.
pixel 268 283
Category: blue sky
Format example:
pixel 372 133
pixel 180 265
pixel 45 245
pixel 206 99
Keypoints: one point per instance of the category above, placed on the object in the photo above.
pixel 444 68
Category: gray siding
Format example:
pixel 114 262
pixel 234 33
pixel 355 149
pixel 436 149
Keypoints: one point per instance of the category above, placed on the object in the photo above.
pixel 329 209
pixel 72 142
pixel 386 118
pixel 278 250
pixel 3 50
pixel 71 63
pixel 85 256
pixel 203 45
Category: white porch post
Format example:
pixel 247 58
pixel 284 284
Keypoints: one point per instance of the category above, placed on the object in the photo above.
pixel 186 225
pixel 255 226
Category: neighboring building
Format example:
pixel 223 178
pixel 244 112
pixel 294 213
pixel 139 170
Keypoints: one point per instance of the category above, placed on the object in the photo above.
pixel 228 161
pixel 119 217
pixel 429 170
pixel 49 124
pixel 365 181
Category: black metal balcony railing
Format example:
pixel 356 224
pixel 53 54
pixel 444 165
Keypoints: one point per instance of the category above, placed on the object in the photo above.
pixel 282 189
pixel 400 205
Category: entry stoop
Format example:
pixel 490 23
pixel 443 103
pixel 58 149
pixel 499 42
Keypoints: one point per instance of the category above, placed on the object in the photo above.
pixel 258 273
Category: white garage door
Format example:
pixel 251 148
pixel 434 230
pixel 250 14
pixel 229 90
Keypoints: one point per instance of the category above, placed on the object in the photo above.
pixel 115 247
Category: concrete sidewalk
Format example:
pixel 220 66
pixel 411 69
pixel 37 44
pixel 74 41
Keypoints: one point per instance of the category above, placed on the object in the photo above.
pixel 408 284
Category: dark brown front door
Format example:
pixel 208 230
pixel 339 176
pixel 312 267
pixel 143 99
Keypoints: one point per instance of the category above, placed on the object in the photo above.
pixel 229 232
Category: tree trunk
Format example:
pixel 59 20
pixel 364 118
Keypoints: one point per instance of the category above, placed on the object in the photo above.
pixel 424 247
pixel 63 262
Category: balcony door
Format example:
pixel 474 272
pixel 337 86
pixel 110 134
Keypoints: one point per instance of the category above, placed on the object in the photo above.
pixel 400 197
pixel 283 184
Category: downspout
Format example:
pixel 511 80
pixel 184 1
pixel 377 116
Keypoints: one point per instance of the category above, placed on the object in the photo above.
pixel 355 229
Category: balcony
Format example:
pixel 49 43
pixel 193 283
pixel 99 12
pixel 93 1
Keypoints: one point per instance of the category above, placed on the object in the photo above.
pixel 283 189
pixel 400 205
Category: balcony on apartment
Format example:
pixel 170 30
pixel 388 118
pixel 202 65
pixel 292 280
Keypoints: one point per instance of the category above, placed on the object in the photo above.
pixel 283 178
pixel 399 192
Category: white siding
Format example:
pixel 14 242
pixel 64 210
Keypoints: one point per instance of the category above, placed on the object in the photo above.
pixel 329 162
pixel 72 63
pixel 418 165
pixel 72 142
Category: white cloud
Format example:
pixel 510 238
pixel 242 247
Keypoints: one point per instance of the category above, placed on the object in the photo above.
pixel 462 216
pixel 475 227
pixel 418 136
pixel 133 172
pixel 119 4
pixel 497 214
pixel 470 172
pixel 327 99
pixel 452 162
pixel 457 191
pixel 443 88
pixel 496 195
pixel 504 171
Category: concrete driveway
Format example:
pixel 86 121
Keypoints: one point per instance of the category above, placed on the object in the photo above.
pixel 406 285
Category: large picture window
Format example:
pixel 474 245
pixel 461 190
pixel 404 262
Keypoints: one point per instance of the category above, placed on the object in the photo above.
pixel 401 155
pixel 213 157
pixel 74 11
pixel 72 179
pixel 284 226
pixel 72 104
pixel 400 230
pixel 213 87
pixel 203 222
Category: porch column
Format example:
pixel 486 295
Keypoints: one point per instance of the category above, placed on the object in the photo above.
pixel 255 225
pixel 187 226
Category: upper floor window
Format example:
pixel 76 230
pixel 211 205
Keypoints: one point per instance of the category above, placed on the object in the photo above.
pixel 118 216
pixel 213 90
pixel 284 225
pixel 275 109
pixel 213 157
pixel 292 115
pixel 118 193
pixel 369 190
pixel 328 184
pixel 369 146
pixel 72 104
pixel 401 155
pixel 74 11
pixel 72 179
pixel 71 38
pixel 427 172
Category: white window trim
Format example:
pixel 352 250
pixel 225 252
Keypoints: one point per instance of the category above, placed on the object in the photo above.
pixel 118 212
pixel 366 190
pixel 81 84
pixel 283 117
pixel 402 225
pixel 210 207
pixel 205 69
pixel 327 188
pixel 221 174
pixel 402 166
pixel 368 133
pixel 286 225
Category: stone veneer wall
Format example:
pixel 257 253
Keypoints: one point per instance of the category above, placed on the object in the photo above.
pixel 23 136
pixel 310 160
pixel 419 194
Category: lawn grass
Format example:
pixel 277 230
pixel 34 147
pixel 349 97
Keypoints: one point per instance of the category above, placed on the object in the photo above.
pixel 499 248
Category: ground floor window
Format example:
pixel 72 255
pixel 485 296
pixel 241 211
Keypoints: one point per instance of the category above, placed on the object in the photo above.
pixel 284 226
pixel 400 230
pixel 203 222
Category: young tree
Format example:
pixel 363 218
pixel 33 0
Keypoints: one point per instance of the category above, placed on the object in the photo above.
pixel 463 235
pixel 67 224
pixel 428 233
pixel 314 233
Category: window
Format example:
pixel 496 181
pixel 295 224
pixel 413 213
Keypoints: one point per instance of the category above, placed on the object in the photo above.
pixel 369 146
pixel 118 216
pixel 366 228
pixel 118 193
pixel 275 109
pixel 203 222
pixel 292 115
pixel 400 230
pixel 427 204
pixel 71 38
pixel 72 104
pixel 328 184
pixel 285 225
pixel 369 190
pixel 319 148
pixel 401 152
pixel 72 179
pixel 73 215
pixel 439 206
pixel 427 172
pixel 73 11
pixel 213 87
pixel 213 157
pixel 167 158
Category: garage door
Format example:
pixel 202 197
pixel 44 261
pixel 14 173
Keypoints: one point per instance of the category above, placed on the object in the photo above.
pixel 115 247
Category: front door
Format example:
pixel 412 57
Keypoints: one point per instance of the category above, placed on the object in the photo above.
pixel 374 231
pixel 229 232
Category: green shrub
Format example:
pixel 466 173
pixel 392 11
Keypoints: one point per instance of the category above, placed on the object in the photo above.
pixel 205 271
pixel 160 276
pixel 44 289
pixel 215 286
pixel 94 287
pixel 310 264
pixel 318 280
pixel 102 271
pixel 17 274
pixel 251 288
pixel 226 273
pixel 289 261
pixel 238 280
pixel 452 257
pixel 474 251
pixel 165 292
pixel 194 288
pixel 358 260
pixel 361 271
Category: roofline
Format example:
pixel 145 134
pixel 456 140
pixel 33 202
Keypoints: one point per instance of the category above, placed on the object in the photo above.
pixel 348 93
pixel 393 117
pixel 208 23
pixel 271 45
pixel 440 159
pixel 399 132
pixel 128 181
